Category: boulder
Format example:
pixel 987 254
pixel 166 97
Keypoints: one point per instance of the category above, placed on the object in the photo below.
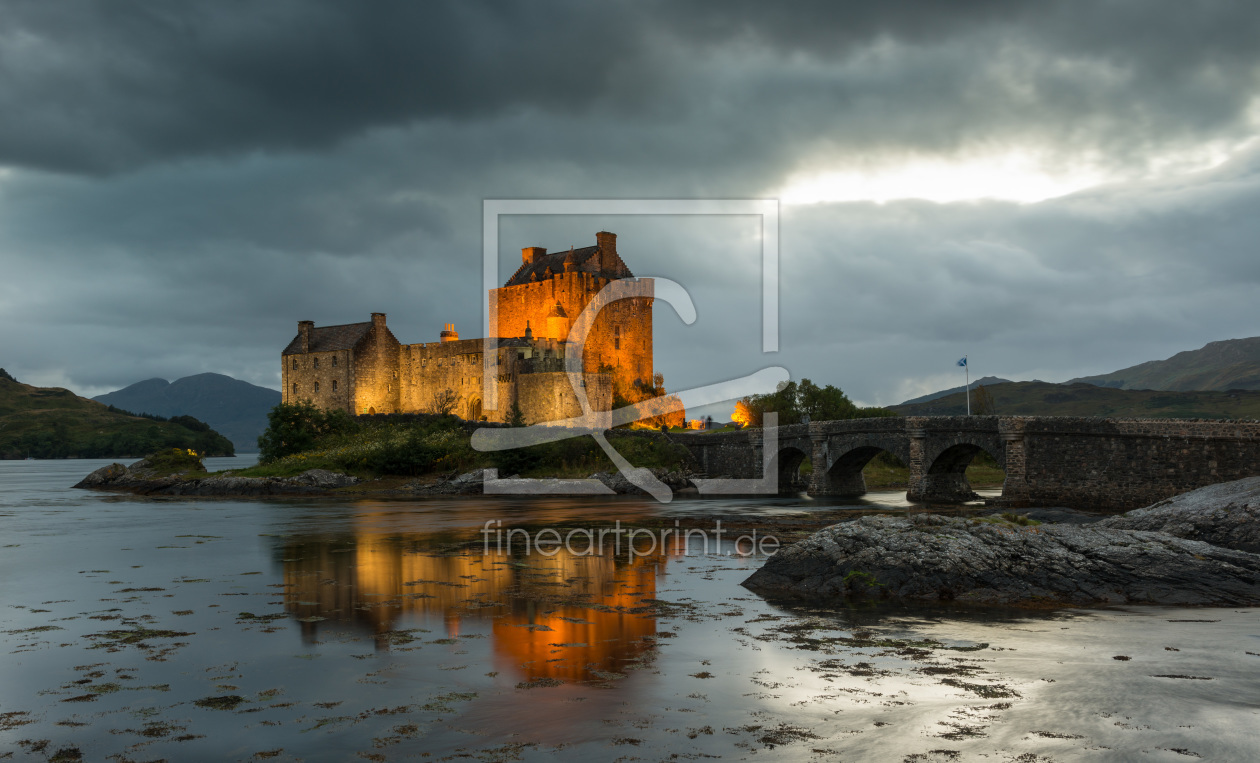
pixel 988 561
pixel 1226 515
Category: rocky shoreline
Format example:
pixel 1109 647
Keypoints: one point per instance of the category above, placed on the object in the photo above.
pixel 142 479
pixel 1194 549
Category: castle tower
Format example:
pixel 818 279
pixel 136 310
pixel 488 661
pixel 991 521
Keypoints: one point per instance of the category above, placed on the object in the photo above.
pixel 551 290
pixel 449 334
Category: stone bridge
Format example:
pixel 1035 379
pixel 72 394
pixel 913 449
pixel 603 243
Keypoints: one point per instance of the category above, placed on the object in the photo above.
pixel 1087 463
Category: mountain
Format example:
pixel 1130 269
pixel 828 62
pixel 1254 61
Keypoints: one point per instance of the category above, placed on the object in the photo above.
pixel 985 382
pixel 236 408
pixel 1037 398
pixel 50 422
pixel 1224 365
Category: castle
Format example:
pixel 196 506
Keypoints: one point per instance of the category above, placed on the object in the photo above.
pixel 362 368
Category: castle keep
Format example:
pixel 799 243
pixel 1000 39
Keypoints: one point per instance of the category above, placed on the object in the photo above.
pixel 362 368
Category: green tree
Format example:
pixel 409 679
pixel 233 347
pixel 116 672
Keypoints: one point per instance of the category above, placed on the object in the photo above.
pixel 295 427
pixel 793 402
pixel 516 417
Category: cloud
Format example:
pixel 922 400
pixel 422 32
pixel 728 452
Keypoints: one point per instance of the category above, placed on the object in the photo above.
pixel 180 183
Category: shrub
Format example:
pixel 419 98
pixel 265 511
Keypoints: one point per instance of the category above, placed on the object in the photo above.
pixel 175 460
pixel 295 427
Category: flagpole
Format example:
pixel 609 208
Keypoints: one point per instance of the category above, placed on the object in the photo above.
pixel 967 369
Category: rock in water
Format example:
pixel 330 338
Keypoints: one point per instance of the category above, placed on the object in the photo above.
pixel 1226 515
pixel 140 478
pixel 934 558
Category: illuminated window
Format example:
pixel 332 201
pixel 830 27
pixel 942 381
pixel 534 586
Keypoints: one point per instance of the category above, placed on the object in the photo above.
pixel 616 337
pixel 317 388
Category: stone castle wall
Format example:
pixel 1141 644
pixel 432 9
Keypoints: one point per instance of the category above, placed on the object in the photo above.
pixel 324 378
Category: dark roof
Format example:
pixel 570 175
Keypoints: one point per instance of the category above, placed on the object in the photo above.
pixel 329 338
pixel 585 259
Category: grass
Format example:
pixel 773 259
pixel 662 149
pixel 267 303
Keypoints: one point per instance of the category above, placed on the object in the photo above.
pixel 419 449
pixel 983 472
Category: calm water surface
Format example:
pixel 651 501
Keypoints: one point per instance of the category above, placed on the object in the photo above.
pixel 194 629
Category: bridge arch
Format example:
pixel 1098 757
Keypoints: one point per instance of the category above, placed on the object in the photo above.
pixel 846 456
pixel 787 463
pixel 945 462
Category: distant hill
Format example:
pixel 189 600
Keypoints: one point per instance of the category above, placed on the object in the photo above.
pixel 1228 364
pixel 236 408
pixel 986 382
pixel 1044 399
pixel 50 422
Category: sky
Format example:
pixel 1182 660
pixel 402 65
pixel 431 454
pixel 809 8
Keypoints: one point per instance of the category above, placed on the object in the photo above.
pixel 1052 189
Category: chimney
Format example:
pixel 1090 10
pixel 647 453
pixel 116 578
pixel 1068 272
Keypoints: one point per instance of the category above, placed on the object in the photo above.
pixel 449 334
pixel 529 333
pixel 304 332
pixel 378 320
pixel 607 242
pixel 530 254
pixel 607 251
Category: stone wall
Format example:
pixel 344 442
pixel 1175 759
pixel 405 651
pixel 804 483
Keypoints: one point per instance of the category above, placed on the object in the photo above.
pixel 324 378
pixel 549 396
pixel 1121 464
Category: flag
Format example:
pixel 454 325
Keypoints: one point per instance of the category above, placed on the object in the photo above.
pixel 963 361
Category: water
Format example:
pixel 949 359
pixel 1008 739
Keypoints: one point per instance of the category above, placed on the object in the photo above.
pixel 196 629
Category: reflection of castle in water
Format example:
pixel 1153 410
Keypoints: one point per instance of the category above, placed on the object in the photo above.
pixel 565 616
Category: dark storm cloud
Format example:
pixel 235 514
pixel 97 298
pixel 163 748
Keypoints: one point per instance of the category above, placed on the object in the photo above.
pixel 92 87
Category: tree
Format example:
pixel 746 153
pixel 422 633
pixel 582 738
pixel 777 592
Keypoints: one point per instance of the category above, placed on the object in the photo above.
pixel 824 403
pixel 442 402
pixel 516 417
pixel 982 402
pixel 295 427
pixel 793 402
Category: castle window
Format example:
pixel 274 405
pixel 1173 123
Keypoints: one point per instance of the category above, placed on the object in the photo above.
pixel 317 388
pixel 616 337
pixel 389 388
pixel 295 384
pixel 316 362
pixel 334 385
pixel 334 363
pixel 295 364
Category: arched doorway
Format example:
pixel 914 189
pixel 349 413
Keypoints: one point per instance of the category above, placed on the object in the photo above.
pixel 372 411
pixel 474 409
